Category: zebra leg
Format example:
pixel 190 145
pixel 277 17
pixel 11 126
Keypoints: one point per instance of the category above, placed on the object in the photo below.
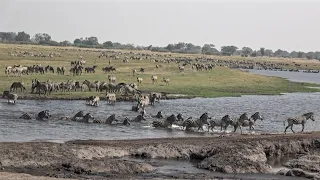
pixel 285 131
pixel 291 128
pixel 302 127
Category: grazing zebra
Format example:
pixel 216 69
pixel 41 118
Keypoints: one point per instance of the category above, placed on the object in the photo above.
pixel 181 68
pixel 166 80
pixel 154 79
pixel 43 114
pixel 139 80
pixel 134 71
pixel 16 85
pixel 190 123
pixel 26 116
pixel 12 98
pixel 159 115
pixel 84 119
pixel 298 120
pixel 167 123
pixel 223 123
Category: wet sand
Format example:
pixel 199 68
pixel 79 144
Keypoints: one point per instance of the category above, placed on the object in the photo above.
pixel 96 159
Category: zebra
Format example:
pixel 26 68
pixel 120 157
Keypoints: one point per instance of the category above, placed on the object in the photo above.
pixel 139 118
pixel 244 121
pixel 179 117
pixel 26 116
pixel 166 80
pixel 154 79
pixel 139 80
pixel 95 101
pixel 159 115
pixel 135 108
pixel 111 98
pixel 190 123
pixel 298 120
pixel 223 123
pixel 167 123
pixel 85 118
pixel 11 97
pixel 109 120
pixel 43 114
pixel 16 85
pixel 237 122
pixel 79 114
pixel 126 122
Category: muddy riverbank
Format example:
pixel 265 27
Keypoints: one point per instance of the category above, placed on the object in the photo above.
pixel 228 157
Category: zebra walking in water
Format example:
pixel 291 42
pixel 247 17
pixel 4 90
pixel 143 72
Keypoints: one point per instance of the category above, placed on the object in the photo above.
pixel 167 123
pixel 190 123
pixel 224 122
pixel 244 122
pixel 298 120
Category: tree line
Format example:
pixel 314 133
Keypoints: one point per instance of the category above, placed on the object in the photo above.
pixel 180 47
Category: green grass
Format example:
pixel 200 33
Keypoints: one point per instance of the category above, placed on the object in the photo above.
pixel 216 83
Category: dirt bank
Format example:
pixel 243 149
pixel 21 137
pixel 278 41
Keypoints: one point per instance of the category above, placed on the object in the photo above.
pixel 103 159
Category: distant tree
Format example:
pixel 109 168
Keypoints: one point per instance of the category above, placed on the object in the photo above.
pixel 268 52
pixel 228 50
pixel 108 44
pixel 91 41
pixel 246 51
pixel 42 37
pixel 22 36
pixel 310 55
pixel 253 54
pixel 209 49
pixel 180 46
pixel 300 54
pixel 77 41
pixel 170 47
pixel 262 51
pixel 7 36
pixel 65 43
pixel 150 47
pixel 293 54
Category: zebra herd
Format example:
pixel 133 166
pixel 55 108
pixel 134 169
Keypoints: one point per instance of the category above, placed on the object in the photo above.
pixel 161 122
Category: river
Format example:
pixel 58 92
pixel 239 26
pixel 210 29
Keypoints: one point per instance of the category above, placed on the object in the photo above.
pixel 274 109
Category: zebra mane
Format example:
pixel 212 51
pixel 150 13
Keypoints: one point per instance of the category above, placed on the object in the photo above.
pixel 204 115
pixel 255 114
pixel 225 117
pixel 308 114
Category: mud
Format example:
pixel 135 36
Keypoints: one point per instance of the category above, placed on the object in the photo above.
pixel 232 155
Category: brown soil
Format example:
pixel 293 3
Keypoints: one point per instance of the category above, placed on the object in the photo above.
pixel 103 159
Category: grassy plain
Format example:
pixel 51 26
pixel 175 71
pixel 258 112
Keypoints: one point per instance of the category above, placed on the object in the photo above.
pixel 218 82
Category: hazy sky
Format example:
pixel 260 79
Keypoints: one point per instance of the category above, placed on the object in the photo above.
pixel 289 25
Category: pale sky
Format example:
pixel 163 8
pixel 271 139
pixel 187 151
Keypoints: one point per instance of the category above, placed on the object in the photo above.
pixel 284 24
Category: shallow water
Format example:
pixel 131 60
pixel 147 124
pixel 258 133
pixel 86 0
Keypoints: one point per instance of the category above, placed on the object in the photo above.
pixel 292 76
pixel 275 109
